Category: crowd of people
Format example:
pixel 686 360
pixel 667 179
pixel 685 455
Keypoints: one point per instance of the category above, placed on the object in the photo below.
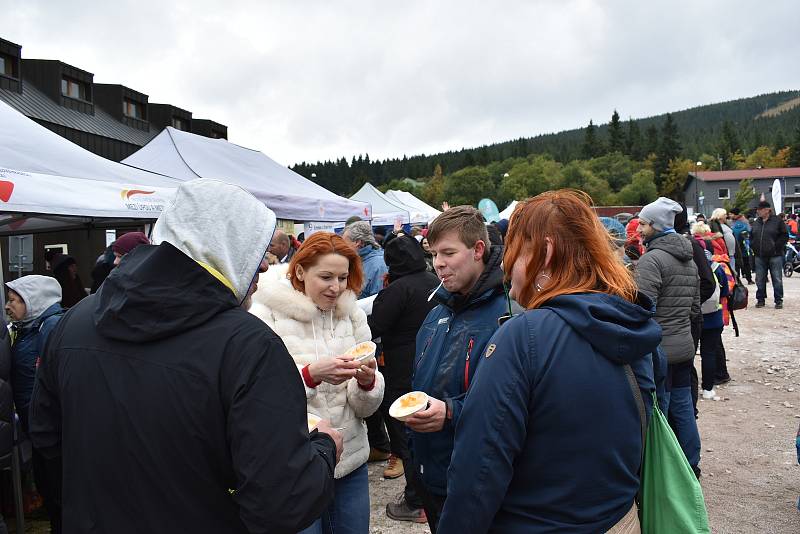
pixel 176 397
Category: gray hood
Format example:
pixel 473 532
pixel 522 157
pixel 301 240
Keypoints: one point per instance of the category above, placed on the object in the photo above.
pixel 220 225
pixel 38 292
pixel 675 244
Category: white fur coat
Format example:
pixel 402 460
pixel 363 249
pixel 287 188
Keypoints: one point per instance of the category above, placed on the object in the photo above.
pixel 310 335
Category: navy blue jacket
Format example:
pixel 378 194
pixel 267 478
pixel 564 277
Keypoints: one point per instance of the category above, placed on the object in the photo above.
pixel 454 333
pixel 28 346
pixel 549 439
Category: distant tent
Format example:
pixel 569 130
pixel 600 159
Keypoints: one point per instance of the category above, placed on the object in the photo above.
pixel 428 213
pixel 186 156
pixel 385 211
pixel 506 213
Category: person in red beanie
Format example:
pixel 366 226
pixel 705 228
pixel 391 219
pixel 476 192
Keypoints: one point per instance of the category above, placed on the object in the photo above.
pixel 126 243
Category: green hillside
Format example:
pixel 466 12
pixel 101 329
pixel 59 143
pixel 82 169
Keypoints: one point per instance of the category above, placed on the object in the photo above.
pixel 620 161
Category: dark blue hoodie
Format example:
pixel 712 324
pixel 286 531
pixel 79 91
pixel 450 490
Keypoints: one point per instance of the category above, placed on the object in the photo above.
pixel 549 439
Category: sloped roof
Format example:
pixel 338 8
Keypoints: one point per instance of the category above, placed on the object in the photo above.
pixel 36 105
pixel 755 174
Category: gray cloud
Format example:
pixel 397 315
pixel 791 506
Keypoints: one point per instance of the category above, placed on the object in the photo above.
pixel 316 80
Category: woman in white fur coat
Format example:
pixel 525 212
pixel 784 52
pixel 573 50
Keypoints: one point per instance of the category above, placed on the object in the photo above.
pixel 312 307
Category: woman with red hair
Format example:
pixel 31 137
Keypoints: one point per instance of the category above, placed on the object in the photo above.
pixel 550 436
pixel 312 307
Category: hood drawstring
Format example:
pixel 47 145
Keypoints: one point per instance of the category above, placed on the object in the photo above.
pixel 314 331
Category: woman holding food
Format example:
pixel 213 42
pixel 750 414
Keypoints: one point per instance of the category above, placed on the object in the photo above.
pixel 312 307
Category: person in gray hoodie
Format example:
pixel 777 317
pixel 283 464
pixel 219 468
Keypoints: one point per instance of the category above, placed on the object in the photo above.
pixel 668 275
pixel 34 307
pixel 173 408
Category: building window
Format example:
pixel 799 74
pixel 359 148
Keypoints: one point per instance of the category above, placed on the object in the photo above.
pixel 178 123
pixel 724 193
pixel 8 66
pixel 797 190
pixel 131 109
pixel 73 88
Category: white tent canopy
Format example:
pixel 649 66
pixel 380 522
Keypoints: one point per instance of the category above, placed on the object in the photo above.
pixel 186 156
pixel 385 211
pixel 425 213
pixel 506 213
pixel 48 182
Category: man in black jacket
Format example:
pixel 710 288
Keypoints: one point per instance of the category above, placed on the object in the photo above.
pixel 173 408
pixel 768 241
pixel 397 314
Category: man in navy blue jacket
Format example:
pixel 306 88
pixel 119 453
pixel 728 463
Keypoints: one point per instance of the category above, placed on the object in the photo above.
pixel 471 299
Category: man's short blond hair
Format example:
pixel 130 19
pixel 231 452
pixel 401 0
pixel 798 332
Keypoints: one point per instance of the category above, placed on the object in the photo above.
pixel 466 221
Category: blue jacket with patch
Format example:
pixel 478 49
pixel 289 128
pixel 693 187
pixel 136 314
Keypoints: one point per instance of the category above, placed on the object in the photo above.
pixel 27 346
pixel 549 438
pixel 374 268
pixel 449 342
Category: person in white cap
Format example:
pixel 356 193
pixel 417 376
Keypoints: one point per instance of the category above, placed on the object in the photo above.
pixel 173 409
pixel 667 274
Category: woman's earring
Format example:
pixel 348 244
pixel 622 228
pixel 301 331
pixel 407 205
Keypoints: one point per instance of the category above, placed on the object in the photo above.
pixel 541 281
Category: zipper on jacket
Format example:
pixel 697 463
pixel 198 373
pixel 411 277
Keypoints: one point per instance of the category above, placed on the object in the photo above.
pixel 424 350
pixel 466 365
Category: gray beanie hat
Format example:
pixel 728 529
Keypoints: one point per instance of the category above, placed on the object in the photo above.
pixel 661 213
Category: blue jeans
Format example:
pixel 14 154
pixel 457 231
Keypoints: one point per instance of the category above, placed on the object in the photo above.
pixel 775 266
pixel 349 512
pixel 677 406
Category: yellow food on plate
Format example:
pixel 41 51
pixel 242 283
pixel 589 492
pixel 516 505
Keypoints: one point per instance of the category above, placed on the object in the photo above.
pixel 362 349
pixel 408 404
pixel 313 421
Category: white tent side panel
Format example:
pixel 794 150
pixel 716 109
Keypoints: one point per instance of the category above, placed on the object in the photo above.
pixel 186 156
pixel 25 192
pixel 425 213
pixel 385 212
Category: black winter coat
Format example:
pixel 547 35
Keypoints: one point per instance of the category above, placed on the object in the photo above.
pixel 769 238
pixel 400 308
pixel 175 410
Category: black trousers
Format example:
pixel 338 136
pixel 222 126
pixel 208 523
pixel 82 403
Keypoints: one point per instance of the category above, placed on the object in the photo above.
pixel 398 437
pixel 710 344
pixel 376 430
pixel 722 364
pixel 430 502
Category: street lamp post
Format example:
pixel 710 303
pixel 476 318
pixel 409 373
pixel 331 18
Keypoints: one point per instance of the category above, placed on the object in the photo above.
pixel 698 202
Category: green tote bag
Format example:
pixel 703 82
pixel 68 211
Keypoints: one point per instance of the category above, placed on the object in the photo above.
pixel 670 496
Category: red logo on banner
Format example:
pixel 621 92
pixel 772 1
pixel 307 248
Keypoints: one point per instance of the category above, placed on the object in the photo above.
pixel 6 188
pixel 128 193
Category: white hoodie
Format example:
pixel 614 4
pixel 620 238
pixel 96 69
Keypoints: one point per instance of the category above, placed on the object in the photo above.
pixel 38 292
pixel 219 225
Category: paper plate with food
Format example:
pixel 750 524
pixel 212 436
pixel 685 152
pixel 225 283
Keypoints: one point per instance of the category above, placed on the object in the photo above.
pixel 362 351
pixel 408 405
pixel 313 421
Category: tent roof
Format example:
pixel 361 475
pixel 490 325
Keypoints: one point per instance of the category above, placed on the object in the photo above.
pixel 385 211
pixel 186 156
pixel 426 212
pixel 506 213
pixel 41 173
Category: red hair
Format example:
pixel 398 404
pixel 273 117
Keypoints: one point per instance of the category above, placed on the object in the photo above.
pixel 320 244
pixel 583 258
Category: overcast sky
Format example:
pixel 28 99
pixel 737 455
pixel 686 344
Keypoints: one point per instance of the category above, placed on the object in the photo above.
pixel 313 80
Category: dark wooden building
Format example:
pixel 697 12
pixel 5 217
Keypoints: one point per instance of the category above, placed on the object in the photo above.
pixel 110 120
